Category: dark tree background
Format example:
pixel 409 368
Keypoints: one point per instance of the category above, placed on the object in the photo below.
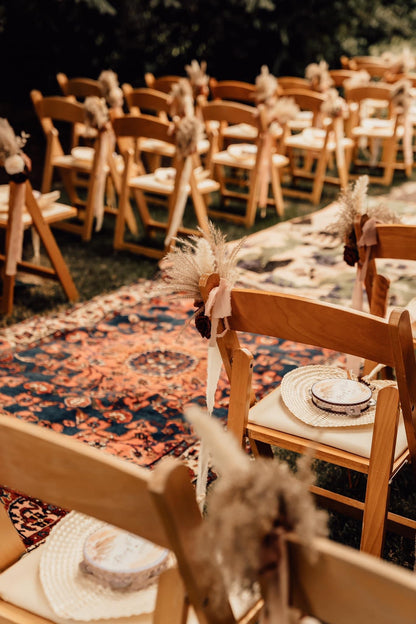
pixel 39 38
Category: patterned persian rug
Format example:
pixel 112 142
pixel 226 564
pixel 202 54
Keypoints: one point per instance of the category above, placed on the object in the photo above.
pixel 117 372
pixel 302 254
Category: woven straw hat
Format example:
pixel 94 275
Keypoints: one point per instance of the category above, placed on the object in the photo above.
pixel 75 595
pixel 296 394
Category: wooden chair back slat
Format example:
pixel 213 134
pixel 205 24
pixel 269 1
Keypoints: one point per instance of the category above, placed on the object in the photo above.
pixel 59 108
pixel 162 83
pixel 341 585
pixel 234 90
pixel 311 322
pixel 143 126
pixel 146 99
pixel 293 82
pixel 71 475
pixel 395 241
pixel 230 112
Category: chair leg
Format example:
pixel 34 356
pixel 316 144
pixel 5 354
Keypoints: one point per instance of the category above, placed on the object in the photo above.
pixel 241 376
pixel 199 206
pixel 389 157
pixel 277 191
pixel 319 178
pixel 381 463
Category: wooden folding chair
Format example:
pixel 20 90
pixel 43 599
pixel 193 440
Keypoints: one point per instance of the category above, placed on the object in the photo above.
pixel 293 82
pixel 40 220
pixel 165 182
pixel 242 93
pixel 80 88
pixel 151 102
pixel 233 90
pixel 247 158
pixel 378 451
pixel 312 151
pixel 374 65
pixel 376 120
pixel 51 110
pixel 162 83
pixel 345 585
pixel 160 506
pixel 395 241
pixel 339 76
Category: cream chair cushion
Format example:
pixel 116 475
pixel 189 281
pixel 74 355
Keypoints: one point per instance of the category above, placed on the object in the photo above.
pixel 20 585
pixel 271 412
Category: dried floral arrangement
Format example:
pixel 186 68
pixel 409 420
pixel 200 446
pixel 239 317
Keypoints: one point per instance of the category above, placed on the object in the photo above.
pixel 197 74
pixel 401 62
pixel 189 130
pixel 267 87
pixel 110 88
pixel 11 155
pixel 353 203
pixel 181 99
pixel 334 105
pixel 401 97
pixel 96 113
pixel 250 507
pixel 360 78
pixel 183 267
pixel 318 76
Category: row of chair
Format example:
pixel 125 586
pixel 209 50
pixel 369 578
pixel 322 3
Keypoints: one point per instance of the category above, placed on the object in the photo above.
pixel 382 135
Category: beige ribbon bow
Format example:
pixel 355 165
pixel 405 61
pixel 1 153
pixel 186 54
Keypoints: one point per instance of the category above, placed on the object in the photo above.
pixel 367 239
pixel 264 171
pixel 217 306
pixel 105 147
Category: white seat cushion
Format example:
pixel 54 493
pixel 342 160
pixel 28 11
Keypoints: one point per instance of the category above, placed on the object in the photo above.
pixel 313 138
pixel 271 412
pixel 20 585
pixel 69 162
pixel 228 159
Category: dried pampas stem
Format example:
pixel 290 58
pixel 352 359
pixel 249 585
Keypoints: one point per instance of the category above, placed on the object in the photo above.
pixel 246 506
pixel 181 99
pixel 319 77
pixel 96 112
pixel 198 77
pixel 11 148
pixel 266 85
pixel 110 88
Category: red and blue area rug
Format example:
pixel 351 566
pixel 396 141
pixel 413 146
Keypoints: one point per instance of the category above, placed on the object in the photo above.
pixel 116 373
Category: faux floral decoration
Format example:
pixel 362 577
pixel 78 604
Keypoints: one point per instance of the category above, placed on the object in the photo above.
pixel 284 110
pixel 198 77
pixel 249 508
pixel 402 98
pixel 334 105
pixel 401 62
pixel 266 86
pixel 11 156
pixel 353 203
pixel 195 256
pixel 181 99
pixel 188 132
pixel 96 112
pixel 110 88
pixel 360 78
pixel 318 76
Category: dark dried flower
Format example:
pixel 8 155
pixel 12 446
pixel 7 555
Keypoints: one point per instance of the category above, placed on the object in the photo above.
pixel 351 255
pixel 203 323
